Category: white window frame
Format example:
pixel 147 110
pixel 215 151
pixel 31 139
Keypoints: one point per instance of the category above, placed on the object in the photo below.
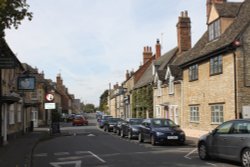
pixel 157 111
pixel 171 85
pixel 217 113
pixel 19 113
pixel 159 89
pixel 11 114
pixel 194 114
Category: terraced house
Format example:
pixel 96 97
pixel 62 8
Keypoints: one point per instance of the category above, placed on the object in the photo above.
pixel 216 70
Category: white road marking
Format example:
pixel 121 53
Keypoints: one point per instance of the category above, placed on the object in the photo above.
pixel 58 164
pixel 187 156
pixel 211 164
pixel 61 153
pixel 81 152
pixel 41 155
pixel 97 157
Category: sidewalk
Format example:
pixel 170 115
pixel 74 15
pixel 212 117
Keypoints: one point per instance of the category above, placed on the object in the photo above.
pixel 17 153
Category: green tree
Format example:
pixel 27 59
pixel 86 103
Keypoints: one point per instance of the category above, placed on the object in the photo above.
pixel 89 108
pixel 12 12
pixel 104 101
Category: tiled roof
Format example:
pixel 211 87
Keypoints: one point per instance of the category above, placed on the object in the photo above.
pixel 228 9
pixel 205 48
pixel 162 61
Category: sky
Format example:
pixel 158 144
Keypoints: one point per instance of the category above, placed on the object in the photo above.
pixel 92 43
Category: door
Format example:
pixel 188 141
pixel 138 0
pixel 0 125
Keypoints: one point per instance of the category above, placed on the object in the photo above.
pixel 173 113
pixel 34 118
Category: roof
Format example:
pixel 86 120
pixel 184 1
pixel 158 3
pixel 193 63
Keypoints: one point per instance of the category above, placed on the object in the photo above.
pixel 229 9
pixel 204 48
pixel 161 62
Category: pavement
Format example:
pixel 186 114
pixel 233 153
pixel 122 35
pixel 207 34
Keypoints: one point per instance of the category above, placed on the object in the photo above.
pixel 18 152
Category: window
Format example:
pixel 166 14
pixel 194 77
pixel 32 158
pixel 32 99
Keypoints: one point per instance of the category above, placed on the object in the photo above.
pixel 224 128
pixel 159 92
pixel 216 65
pixel 194 114
pixel 217 114
pixel 158 112
pixel 193 72
pixel 241 128
pixel 171 85
pixel 11 115
pixel 214 30
pixel 19 115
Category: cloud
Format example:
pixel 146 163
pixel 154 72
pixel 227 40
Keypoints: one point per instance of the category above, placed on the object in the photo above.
pixel 93 42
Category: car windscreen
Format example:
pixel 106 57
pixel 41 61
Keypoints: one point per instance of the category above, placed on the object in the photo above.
pixel 163 123
pixel 135 121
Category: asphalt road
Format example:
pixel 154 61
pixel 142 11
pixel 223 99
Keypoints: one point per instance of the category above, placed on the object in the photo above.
pixel 89 146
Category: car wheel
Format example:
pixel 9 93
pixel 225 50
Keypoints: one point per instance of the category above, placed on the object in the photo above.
pixel 152 140
pixel 140 138
pixel 129 135
pixel 122 133
pixel 245 158
pixel 202 151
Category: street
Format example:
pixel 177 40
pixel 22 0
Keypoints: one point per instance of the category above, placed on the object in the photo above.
pixel 90 146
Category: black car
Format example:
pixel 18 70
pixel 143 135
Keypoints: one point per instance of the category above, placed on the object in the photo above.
pixel 160 130
pixel 117 126
pixel 230 140
pixel 131 127
pixel 109 124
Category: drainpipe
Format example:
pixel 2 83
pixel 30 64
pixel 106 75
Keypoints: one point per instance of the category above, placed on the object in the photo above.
pixel 235 88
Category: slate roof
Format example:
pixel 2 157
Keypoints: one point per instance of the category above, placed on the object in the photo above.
pixel 204 48
pixel 147 76
pixel 229 9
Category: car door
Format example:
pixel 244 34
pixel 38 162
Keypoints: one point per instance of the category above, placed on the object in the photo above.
pixel 221 139
pixel 145 129
pixel 238 139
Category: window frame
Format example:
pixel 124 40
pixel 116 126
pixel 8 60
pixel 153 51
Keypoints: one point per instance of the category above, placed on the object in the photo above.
pixel 193 72
pixel 217 116
pixel 214 30
pixel 216 65
pixel 194 114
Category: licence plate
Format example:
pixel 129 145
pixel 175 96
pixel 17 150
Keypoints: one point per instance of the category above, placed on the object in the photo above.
pixel 172 137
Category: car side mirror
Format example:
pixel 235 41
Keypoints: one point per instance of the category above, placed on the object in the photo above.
pixel 214 131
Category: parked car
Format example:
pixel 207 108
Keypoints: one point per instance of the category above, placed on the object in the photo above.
pixel 102 120
pixel 230 140
pixel 117 126
pixel 70 117
pixel 160 130
pixel 80 120
pixel 131 127
pixel 110 123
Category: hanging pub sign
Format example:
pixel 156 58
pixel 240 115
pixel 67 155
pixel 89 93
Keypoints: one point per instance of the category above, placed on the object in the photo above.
pixel 26 83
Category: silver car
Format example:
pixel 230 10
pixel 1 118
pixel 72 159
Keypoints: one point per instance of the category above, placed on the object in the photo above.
pixel 230 140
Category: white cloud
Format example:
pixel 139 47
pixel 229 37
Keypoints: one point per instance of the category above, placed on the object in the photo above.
pixel 94 42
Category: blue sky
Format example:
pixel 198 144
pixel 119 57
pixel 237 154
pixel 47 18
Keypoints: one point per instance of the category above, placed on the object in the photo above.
pixel 92 43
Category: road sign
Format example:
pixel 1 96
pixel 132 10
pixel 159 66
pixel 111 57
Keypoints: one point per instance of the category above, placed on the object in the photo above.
pixel 49 106
pixel 49 97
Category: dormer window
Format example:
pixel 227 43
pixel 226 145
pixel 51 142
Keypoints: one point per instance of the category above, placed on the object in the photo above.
pixel 214 30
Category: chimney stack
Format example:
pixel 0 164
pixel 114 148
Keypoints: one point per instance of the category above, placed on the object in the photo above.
pixel 127 75
pixel 147 54
pixel 184 32
pixel 157 49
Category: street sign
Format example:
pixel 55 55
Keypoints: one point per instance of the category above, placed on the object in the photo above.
pixel 49 97
pixel 49 106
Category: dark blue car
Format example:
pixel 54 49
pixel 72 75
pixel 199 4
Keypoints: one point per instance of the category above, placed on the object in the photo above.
pixel 160 130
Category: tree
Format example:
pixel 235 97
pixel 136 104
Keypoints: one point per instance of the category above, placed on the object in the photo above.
pixel 12 12
pixel 104 101
pixel 89 108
